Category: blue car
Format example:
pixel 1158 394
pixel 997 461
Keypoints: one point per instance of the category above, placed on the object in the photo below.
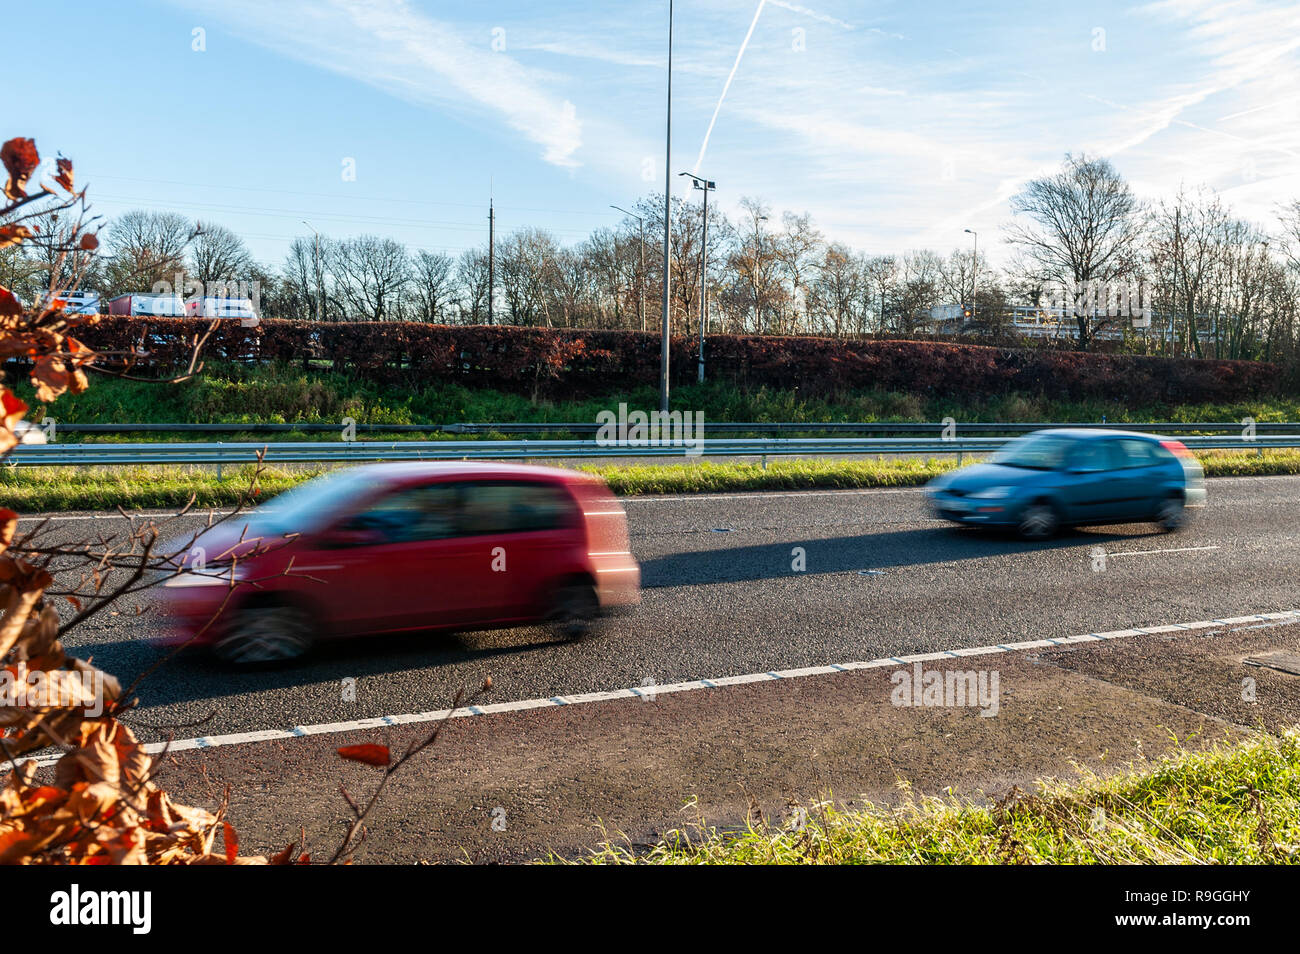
pixel 1070 476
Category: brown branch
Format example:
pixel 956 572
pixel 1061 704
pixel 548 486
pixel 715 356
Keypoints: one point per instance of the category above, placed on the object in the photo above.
pixel 347 847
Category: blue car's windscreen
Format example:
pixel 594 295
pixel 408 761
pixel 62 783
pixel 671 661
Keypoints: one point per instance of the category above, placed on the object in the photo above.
pixel 1036 452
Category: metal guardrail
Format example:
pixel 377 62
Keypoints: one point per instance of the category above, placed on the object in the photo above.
pixel 724 427
pixel 329 451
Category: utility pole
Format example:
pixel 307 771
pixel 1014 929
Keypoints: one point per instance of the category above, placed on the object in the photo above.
pixel 640 282
pixel 492 259
pixel 706 186
pixel 668 181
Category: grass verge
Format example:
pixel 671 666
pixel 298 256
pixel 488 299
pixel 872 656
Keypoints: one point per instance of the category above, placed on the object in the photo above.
pixel 235 394
pixel 53 489
pixel 1231 804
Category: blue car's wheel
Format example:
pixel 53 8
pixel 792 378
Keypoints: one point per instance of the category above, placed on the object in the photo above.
pixel 1171 515
pixel 1039 521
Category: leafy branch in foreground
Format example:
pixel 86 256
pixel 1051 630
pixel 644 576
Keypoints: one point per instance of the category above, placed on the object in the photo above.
pixel 102 805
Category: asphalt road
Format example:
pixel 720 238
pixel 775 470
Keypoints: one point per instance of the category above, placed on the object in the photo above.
pixel 721 598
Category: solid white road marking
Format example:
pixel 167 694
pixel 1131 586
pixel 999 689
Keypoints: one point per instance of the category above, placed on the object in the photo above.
pixel 1260 620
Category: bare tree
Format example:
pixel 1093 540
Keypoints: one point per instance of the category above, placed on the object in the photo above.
pixel 432 286
pixel 918 289
pixel 472 283
pixel 880 289
pixel 755 285
pixel 569 287
pixel 146 248
pixel 796 249
pixel 1289 240
pixel 524 263
pixel 218 255
pixel 371 274
pixel 835 296
pixel 613 261
pixel 977 288
pixel 1184 250
pixel 299 281
pixel 1084 226
pixel 1245 283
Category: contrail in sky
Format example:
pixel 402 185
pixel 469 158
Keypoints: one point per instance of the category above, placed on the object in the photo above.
pixel 732 75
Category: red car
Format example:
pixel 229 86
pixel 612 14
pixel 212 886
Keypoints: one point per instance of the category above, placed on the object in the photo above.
pixel 409 546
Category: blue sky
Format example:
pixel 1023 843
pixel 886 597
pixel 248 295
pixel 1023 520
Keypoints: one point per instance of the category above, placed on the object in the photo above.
pixel 896 125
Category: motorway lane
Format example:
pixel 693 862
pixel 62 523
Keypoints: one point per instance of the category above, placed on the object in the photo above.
pixel 722 599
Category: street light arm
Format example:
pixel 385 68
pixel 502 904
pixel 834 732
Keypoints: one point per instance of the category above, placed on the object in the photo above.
pixel 627 213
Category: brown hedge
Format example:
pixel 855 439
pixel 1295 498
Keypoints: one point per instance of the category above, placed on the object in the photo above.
pixel 553 362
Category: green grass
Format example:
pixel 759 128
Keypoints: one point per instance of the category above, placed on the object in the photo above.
pixel 57 489
pixel 54 489
pixel 709 477
pixel 1230 804
pixel 234 394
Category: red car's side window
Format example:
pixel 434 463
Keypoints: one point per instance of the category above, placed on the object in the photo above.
pixel 462 509
pixel 501 507
pixel 412 514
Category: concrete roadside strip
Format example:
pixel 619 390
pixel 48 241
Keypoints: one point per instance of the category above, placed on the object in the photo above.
pixel 513 781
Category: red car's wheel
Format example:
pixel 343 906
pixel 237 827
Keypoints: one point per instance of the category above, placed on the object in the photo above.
pixel 574 609
pixel 265 634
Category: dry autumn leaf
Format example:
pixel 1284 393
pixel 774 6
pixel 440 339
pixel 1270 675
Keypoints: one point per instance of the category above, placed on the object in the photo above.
pixel 370 754
pixel 12 408
pixel 8 524
pixel 50 377
pixel 11 412
pixel 64 173
pixel 232 842
pixel 283 857
pixel 10 307
pixel 20 160
pixel 13 235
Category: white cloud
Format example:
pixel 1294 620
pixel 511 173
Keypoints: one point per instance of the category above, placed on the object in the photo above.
pixel 391 45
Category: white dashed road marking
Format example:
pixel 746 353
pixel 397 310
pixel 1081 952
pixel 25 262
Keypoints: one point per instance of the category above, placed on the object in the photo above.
pixel 1120 553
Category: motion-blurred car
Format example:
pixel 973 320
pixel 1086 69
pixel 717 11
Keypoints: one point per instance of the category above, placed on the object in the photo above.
pixel 1066 477
pixel 29 433
pixel 405 546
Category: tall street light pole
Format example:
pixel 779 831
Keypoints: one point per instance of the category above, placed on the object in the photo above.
pixel 668 276
pixel 975 273
pixel 640 282
pixel 705 185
